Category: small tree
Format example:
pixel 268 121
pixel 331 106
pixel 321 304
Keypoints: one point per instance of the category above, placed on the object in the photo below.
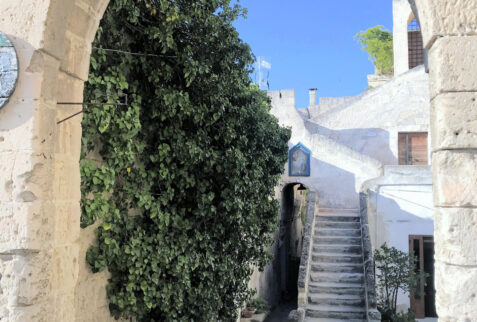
pixel 395 270
pixel 378 43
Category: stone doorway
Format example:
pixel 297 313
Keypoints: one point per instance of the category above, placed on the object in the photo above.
pixel 289 245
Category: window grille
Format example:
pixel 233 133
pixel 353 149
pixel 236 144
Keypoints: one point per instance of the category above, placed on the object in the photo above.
pixel 415 45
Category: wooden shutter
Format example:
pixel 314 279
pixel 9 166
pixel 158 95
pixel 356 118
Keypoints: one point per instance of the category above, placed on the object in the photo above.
pixel 412 148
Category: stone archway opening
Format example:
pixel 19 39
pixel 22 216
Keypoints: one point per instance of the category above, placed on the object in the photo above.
pixel 290 241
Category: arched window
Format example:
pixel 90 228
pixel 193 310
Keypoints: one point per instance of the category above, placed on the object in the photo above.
pixel 414 40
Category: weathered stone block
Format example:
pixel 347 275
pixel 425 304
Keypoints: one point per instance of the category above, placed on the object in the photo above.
pixel 455 178
pixel 24 276
pixel 97 6
pixel 453 67
pixel 456 296
pixel 454 121
pixel 443 18
pixel 70 89
pixel 67 223
pixel 77 56
pixel 84 22
pixel 64 267
pixel 454 234
pixel 67 178
pixel 26 226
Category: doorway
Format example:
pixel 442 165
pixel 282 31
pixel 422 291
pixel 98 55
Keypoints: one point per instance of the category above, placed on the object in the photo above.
pixel 292 222
pixel 423 301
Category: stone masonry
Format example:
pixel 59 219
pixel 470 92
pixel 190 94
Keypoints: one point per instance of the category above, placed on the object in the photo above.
pixel 449 31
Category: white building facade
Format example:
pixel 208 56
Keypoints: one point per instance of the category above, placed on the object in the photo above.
pixel 377 144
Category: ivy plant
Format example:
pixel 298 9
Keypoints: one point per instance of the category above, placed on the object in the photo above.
pixel 179 162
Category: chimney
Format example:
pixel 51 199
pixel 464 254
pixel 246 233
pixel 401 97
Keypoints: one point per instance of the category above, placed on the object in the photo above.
pixel 312 92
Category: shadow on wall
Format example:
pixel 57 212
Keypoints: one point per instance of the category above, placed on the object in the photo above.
pixel 334 185
pixel 399 215
pixel 372 142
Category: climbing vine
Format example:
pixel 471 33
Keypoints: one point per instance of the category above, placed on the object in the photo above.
pixel 179 163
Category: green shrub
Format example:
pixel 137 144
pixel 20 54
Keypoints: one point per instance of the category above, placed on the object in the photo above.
pixel 395 271
pixel 378 43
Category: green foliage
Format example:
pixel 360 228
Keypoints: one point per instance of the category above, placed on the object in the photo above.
pixel 259 304
pixel 395 270
pixel 408 316
pixel 378 43
pixel 184 182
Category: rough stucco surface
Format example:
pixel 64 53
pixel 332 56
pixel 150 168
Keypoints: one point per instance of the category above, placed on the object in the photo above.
pixel 401 14
pixel 348 146
pixel 399 204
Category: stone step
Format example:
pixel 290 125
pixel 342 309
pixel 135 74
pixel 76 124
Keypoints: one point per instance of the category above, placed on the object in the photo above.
pixel 338 225
pixel 336 258
pixel 337 232
pixel 337 267
pixel 310 319
pixel 354 289
pixel 337 249
pixel 341 240
pixel 328 218
pixel 334 299
pixel 344 278
pixel 347 313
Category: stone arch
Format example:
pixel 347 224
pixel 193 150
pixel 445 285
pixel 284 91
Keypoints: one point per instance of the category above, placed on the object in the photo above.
pixel 40 248
pixel 39 186
pixel 292 228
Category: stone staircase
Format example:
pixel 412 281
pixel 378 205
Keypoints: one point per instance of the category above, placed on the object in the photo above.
pixel 336 290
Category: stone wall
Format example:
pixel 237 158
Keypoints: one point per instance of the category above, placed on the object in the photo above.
pixel 450 34
pixel 40 247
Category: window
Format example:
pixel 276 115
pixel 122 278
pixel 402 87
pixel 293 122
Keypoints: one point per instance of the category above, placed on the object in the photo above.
pixel 423 300
pixel 412 148
pixel 415 45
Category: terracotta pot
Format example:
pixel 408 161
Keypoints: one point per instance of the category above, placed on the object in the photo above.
pixel 248 312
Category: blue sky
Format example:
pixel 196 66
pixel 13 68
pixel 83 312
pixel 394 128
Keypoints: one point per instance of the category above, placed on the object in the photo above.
pixel 310 43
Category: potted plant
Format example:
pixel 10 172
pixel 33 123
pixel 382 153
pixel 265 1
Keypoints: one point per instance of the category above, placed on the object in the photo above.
pixel 256 305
